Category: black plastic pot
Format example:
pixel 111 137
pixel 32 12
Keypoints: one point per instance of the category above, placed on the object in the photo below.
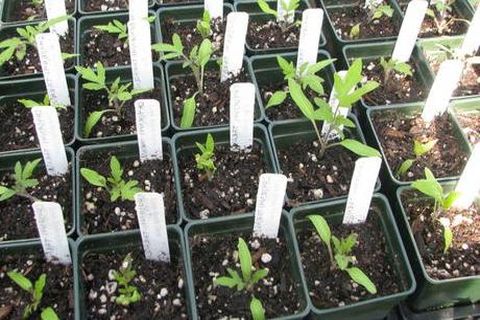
pixel 184 143
pixel 244 224
pixel 377 308
pixel 265 69
pixel 128 241
pixel 471 108
pixel 454 313
pixel 82 9
pixel 8 7
pixel 126 75
pixel 432 293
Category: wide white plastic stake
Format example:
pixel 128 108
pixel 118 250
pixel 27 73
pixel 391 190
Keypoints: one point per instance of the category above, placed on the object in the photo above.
pixel 55 9
pixel 234 44
pixel 137 9
pixel 469 184
pixel 333 102
pixel 149 129
pixel 310 32
pixel 139 42
pixel 471 42
pixel 242 103
pixel 214 8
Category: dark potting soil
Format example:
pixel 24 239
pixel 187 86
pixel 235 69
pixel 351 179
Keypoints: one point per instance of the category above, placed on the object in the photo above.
pixel 331 288
pixel 233 187
pixel 17 220
pixel 213 105
pixel 212 255
pixel 31 62
pixel 191 37
pixel 105 5
pixel 314 179
pixel 26 10
pixel 100 215
pixel 470 123
pixel 399 88
pixel 397 133
pixel 470 81
pixel 344 19
pixel 57 294
pixel 161 286
pixel 457 27
pixel 269 35
pixel 461 260
pixel 112 124
pixel 18 129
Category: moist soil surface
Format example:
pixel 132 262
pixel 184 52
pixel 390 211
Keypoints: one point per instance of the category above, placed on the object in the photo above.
pixel 314 179
pixel 399 89
pixel 100 215
pixel 470 123
pixel 212 106
pixel 111 124
pixel 344 19
pixel 331 288
pixel 397 133
pixel 57 294
pixel 26 10
pixel 31 62
pixel 212 255
pixel 18 129
pixel 161 286
pixel 105 5
pixel 463 258
pixel 17 220
pixel 270 35
pixel 233 188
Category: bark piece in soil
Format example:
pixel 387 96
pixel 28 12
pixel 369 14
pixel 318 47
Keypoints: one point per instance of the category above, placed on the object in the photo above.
pixel 333 288
pixel 212 255
pixel 269 35
pixel 463 258
pixel 17 220
pixel 26 10
pixel 397 132
pixel 233 188
pixel 400 88
pixel 470 123
pixel 161 285
pixel 58 291
pixel 100 215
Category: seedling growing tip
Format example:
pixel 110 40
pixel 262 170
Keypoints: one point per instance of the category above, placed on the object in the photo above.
pixel 419 149
pixel 205 159
pixel 124 276
pixel 23 180
pixel 287 21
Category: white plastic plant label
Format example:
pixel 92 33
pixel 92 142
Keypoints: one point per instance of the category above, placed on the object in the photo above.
pixel 49 135
pixel 282 14
pixel 55 9
pixel 270 200
pixel 214 8
pixel 442 89
pixel 471 42
pixel 333 102
pixel 234 44
pixel 139 43
pixel 361 189
pixel 137 10
pixel 149 129
pixel 51 228
pixel 153 228
pixel 409 31
pixel 51 60
pixel 468 185
pixel 312 21
pixel 242 103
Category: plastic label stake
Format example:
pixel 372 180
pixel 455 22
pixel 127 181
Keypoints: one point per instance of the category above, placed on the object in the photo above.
pixel 214 8
pixel 242 102
pixel 234 44
pixel 333 102
pixel 312 20
pixel 471 42
pixel 55 9
pixel 282 14
pixel 137 10
pixel 149 131
pixel 139 42
pixel 469 184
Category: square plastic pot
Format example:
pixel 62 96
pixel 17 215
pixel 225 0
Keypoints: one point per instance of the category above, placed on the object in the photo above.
pixel 10 31
pixel 123 150
pixel 471 107
pixel 286 134
pixel 125 73
pixel 174 70
pixel 432 293
pixel 7 164
pixel 86 24
pixel 82 8
pixel 8 7
pixel 33 89
pixel 244 223
pixel 265 69
pixel 377 308
pixel 185 143
pixel 130 240
pixel 256 14
pixel 453 313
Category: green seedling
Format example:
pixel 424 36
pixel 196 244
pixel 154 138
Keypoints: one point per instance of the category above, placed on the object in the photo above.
pixel 288 6
pixel 36 292
pixel 247 280
pixel 118 28
pixel 188 113
pixel 340 253
pixel 29 103
pixel 115 185
pixel 307 77
pixel 16 47
pixel 439 12
pixel 204 25
pixel 391 65
pixel 23 180
pixel 124 276
pixel 376 10
pixel 443 202
pixel 37 2
pixel 419 149
pixel 205 159
pixel 347 94
pixel 118 94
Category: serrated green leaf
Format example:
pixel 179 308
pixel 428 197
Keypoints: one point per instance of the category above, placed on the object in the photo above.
pixel 226 282
pixel 263 5
pixel 447 238
pixel 322 228
pixel 300 99
pixel 116 169
pixel 259 275
pixel 49 314
pixel 6 193
pixel 39 286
